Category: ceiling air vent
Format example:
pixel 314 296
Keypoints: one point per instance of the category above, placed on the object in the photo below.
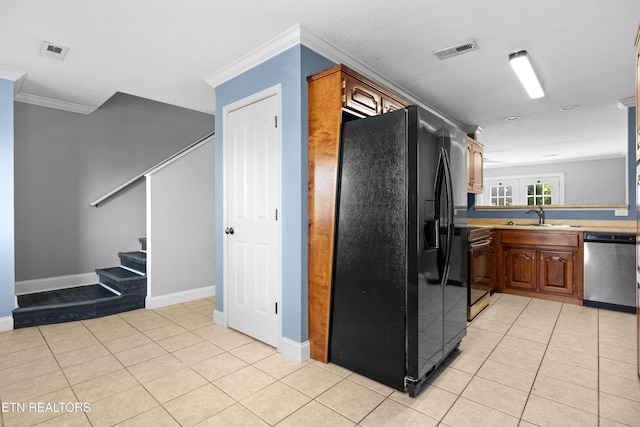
pixel 52 51
pixel 452 51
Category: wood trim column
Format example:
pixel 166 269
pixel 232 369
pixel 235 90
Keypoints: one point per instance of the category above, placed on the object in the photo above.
pixel 325 118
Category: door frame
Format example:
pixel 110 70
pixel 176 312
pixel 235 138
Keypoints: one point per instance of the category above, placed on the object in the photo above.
pixel 226 110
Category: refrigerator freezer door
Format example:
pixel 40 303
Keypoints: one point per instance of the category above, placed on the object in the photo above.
pixel 370 258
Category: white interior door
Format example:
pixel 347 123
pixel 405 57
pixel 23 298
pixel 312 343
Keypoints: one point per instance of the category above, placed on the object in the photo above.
pixel 252 199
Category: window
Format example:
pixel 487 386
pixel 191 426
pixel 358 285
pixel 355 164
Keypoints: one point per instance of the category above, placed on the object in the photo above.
pixel 540 193
pixel 540 190
pixel 501 193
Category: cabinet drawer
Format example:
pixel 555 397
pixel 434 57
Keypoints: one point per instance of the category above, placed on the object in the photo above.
pixel 540 238
pixel 389 105
pixel 360 97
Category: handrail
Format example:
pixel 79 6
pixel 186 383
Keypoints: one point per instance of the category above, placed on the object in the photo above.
pixel 118 189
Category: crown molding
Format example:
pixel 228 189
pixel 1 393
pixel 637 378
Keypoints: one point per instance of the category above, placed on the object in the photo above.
pixel 54 103
pixel 298 35
pixel 628 102
pixel 268 50
pixel 17 77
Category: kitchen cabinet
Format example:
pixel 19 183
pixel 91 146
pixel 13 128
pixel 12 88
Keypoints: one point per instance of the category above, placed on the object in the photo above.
pixel 335 95
pixel 543 264
pixel 482 263
pixel 638 102
pixel 475 163
pixel 481 269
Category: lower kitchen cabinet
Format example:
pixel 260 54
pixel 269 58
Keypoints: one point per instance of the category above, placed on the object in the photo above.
pixel 520 270
pixel 557 272
pixel 543 264
pixel 482 262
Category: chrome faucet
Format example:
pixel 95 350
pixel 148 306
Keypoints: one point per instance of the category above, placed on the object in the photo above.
pixel 540 214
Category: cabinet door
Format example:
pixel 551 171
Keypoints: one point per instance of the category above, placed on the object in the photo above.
pixel 360 97
pixel 556 271
pixel 389 105
pixel 475 163
pixel 520 268
pixel 469 167
pixel 482 268
pixel 638 101
pixel 478 162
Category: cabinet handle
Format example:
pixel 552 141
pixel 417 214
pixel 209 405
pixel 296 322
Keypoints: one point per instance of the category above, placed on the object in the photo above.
pixel 357 91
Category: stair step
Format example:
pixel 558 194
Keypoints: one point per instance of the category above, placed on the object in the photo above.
pixel 120 289
pixel 123 280
pixel 136 260
pixel 60 297
pixel 70 304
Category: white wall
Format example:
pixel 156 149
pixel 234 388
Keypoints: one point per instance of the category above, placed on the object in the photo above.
pixel 180 228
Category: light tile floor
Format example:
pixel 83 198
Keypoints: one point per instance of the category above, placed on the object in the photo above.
pixel 524 362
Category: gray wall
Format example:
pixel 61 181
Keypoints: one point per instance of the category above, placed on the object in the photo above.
pixel 64 161
pixel 181 194
pixel 587 182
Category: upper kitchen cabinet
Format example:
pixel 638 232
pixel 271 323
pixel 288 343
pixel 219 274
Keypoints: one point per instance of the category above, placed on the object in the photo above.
pixel 475 160
pixel 335 95
pixel 638 95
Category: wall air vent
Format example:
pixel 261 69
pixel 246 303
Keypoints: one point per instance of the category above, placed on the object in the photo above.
pixel 52 51
pixel 456 50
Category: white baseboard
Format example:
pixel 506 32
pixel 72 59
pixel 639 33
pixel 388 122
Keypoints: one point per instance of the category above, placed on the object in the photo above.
pixel 179 297
pixel 219 319
pixel 6 324
pixel 53 283
pixel 299 352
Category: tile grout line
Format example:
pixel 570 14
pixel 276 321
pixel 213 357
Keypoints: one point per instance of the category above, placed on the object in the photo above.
pixel 62 371
pixel 546 348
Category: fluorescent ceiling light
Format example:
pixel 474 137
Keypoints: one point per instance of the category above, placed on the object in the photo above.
pixel 522 66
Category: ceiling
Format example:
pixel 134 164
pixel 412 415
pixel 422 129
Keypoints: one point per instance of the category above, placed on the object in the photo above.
pixel 164 49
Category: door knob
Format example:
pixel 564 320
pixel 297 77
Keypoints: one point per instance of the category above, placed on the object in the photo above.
pixel 229 230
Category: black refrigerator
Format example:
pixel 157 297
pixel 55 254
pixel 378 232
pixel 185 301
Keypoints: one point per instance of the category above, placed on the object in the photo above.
pixel 399 295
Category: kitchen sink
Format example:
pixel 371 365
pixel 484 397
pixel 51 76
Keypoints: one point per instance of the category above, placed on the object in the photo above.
pixel 543 225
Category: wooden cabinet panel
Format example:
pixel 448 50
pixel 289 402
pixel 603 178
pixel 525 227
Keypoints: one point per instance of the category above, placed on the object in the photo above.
pixel 389 105
pixel 556 272
pixel 540 238
pixel 330 91
pixel 545 264
pixel 475 164
pixel 520 268
pixel 482 267
pixel 638 100
pixel 361 97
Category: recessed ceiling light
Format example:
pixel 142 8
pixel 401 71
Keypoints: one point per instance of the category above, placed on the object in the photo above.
pixel 569 107
pixel 512 118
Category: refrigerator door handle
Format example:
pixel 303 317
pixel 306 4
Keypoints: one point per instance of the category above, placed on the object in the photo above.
pixel 444 183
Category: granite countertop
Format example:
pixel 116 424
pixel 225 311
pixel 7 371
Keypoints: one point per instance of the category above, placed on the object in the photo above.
pixel 612 226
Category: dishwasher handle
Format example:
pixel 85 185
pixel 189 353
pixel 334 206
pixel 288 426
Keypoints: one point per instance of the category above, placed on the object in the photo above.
pixel 618 238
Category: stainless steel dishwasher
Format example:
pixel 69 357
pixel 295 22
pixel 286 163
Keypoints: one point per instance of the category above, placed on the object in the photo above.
pixel 609 271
